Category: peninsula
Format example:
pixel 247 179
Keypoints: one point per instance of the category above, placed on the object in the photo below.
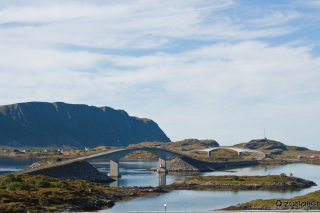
pixel 268 182
pixel 309 201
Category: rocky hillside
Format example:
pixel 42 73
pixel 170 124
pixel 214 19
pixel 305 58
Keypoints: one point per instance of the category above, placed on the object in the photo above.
pixel 184 144
pixel 47 124
pixel 265 144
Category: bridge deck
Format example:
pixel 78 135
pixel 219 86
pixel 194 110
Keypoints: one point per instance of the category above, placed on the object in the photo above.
pixel 86 157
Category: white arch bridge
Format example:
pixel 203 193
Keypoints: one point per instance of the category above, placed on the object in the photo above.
pixel 260 155
pixel 114 157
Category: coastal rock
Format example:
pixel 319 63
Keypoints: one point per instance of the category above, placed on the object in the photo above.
pixel 79 170
pixel 90 205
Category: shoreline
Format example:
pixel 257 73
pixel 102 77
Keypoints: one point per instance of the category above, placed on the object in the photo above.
pixel 182 186
pixel 132 192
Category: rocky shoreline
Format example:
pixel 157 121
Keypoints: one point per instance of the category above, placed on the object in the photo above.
pixel 106 201
pixel 193 186
pixel 268 182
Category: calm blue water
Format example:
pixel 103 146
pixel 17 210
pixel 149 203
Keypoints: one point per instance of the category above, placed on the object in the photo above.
pixel 135 173
pixel 8 165
pixel 188 200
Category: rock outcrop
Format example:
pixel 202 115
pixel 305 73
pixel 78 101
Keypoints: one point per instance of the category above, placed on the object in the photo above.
pixel 55 124
pixel 79 170
pixel 267 144
pixel 190 164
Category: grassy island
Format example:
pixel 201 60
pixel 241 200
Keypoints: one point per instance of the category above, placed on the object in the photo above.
pixel 304 202
pixel 41 193
pixel 244 182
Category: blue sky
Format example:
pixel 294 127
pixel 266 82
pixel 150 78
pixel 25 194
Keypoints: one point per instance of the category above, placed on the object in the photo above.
pixel 223 69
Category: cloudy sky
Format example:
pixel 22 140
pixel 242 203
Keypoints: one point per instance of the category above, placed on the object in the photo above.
pixel 219 69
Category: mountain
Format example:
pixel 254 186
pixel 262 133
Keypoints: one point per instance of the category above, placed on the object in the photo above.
pixel 46 124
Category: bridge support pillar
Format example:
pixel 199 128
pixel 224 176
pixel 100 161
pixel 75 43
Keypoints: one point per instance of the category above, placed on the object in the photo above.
pixel 162 166
pixel 209 154
pixel 240 153
pixel 114 168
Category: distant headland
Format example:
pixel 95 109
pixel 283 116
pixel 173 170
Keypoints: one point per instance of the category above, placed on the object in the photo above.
pixel 45 124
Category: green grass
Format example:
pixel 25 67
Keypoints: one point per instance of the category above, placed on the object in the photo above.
pixel 41 193
pixel 297 201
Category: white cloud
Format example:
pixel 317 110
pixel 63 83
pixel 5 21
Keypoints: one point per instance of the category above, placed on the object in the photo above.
pixel 199 93
pixel 313 3
pixel 227 89
pixel 134 24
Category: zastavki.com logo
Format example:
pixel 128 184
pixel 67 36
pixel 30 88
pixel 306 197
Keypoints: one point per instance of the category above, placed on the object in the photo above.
pixel 301 204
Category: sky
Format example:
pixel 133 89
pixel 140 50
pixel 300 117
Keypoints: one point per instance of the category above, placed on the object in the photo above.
pixel 220 69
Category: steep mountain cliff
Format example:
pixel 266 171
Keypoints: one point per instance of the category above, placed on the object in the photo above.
pixel 44 124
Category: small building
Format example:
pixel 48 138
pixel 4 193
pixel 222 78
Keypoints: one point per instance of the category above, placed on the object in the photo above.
pixel 299 156
pixel 87 148
pixel 316 155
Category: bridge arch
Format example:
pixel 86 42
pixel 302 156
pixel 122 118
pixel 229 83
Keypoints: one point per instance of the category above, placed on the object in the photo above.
pixel 237 149
pixel 115 155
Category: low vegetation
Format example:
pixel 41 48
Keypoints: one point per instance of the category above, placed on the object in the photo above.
pixel 277 152
pixel 304 202
pixel 41 193
pixel 240 180
pixel 189 148
pixel 186 145
pixel 265 144
pixel 51 153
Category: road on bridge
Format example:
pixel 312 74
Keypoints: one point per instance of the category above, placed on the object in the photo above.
pixel 96 155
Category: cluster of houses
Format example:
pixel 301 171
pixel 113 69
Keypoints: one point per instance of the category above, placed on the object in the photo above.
pixel 157 146
pixel 312 156
pixel 15 150
pixel 42 151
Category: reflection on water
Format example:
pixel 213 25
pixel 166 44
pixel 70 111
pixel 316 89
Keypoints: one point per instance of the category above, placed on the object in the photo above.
pixel 162 179
pixel 115 183
pixel 179 174
pixel 137 174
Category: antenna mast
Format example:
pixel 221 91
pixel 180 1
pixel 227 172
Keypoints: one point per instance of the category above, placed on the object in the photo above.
pixel 265 133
